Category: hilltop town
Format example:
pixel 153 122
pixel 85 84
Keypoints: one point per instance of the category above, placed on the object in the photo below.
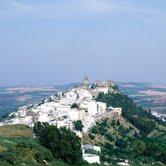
pixel 107 135
pixel 63 108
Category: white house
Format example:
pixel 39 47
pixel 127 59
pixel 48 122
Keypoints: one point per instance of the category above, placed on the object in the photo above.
pixel 92 108
pixel 91 153
pixel 117 111
pixel 101 107
pixel 73 114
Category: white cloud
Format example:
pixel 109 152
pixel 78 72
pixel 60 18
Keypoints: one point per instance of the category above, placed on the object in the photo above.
pixel 73 8
pixel 96 6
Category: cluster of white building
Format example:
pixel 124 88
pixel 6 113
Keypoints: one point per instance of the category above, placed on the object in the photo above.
pixel 66 107
pixel 159 115
pixel 91 153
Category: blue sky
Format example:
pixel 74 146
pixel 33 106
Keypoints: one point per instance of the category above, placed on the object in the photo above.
pixel 59 41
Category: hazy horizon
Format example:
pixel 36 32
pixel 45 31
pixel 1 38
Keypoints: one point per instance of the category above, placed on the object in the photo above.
pixel 58 42
pixel 76 82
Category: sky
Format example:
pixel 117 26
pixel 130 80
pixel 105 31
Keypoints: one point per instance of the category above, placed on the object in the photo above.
pixel 50 42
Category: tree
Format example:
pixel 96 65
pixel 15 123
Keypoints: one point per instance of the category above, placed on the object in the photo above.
pixel 139 147
pixel 120 143
pixel 63 143
pixel 140 118
pixel 78 125
pixel 74 105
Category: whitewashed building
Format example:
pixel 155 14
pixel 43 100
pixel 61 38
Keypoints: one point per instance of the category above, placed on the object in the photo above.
pixel 91 153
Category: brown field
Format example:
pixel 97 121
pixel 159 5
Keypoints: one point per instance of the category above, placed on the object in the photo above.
pixel 15 131
pixel 29 89
pixel 153 93
pixel 23 98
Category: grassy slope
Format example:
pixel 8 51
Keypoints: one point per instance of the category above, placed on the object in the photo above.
pixel 112 129
pixel 113 150
pixel 19 147
pixel 16 131
pixel 119 142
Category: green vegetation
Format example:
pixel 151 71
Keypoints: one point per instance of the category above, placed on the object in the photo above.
pixel 141 139
pixel 121 142
pixel 16 131
pixel 147 101
pixel 140 118
pixel 78 125
pixel 63 143
pixel 18 147
pixel 136 136
pixel 74 105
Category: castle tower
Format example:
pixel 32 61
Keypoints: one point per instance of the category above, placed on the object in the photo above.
pixel 86 82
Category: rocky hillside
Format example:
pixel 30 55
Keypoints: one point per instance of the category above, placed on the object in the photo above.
pixel 137 136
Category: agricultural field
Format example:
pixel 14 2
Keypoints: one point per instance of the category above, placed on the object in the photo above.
pixel 147 95
pixel 11 98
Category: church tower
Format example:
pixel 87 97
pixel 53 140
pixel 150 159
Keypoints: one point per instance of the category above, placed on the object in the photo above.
pixel 86 82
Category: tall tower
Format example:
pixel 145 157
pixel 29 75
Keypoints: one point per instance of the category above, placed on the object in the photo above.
pixel 86 82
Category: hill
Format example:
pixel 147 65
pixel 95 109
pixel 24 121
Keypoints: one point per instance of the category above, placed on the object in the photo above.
pixel 148 95
pixel 19 147
pixel 134 135
pixel 137 136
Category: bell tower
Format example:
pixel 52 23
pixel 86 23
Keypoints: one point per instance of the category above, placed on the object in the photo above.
pixel 86 82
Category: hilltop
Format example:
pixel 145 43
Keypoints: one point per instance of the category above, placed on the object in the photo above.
pixel 63 108
pixel 11 98
pixel 107 118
